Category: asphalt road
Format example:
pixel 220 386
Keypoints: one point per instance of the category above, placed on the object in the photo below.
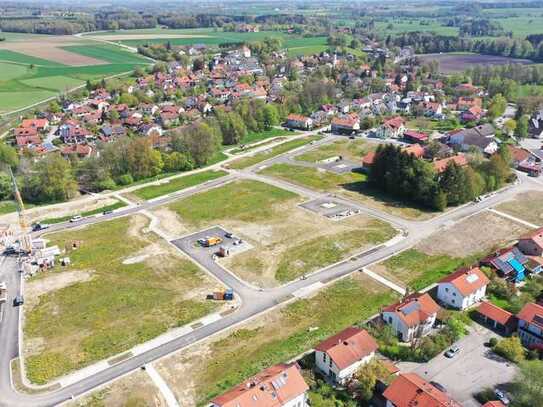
pixel 254 301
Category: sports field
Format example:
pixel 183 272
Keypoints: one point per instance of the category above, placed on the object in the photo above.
pixel 35 68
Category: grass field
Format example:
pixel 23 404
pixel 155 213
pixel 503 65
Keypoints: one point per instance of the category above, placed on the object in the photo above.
pixel 352 150
pixel 177 184
pixel 111 207
pixel 7 207
pixel 218 364
pixel 287 241
pixel 124 287
pixel 527 206
pixel 272 152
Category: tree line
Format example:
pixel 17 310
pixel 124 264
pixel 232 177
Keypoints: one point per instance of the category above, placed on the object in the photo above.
pixel 405 177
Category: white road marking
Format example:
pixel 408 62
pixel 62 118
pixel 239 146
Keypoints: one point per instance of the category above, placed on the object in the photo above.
pixel 513 218
pixel 171 401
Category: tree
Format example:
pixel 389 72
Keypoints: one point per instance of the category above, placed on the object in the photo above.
pixel 367 377
pixel 271 116
pixel 497 106
pixel 510 126
pixel 522 127
pixel 176 161
pixel 6 191
pixel 454 183
pixel 54 107
pixel 232 127
pixel 511 349
pixel 142 159
pixel 8 155
pixel 51 180
pixel 528 385
pixel 201 141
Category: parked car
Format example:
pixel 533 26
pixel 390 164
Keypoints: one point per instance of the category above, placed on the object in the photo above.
pixel 19 300
pixel 451 353
pixel 502 397
pixel 109 211
pixel 36 227
pixel 228 235
pixel 438 386
pixel 76 218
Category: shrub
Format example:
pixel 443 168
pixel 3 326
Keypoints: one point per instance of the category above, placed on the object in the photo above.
pixel 511 349
pixel 125 179
pixel 492 342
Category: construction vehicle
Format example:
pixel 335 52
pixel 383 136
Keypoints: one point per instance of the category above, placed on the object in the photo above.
pixel 25 241
pixel 227 295
pixel 210 241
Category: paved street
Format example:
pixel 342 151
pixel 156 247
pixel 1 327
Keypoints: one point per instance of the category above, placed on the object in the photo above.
pixel 473 369
pixel 254 301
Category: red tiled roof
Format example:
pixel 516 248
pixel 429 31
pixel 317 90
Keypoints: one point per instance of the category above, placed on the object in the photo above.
pixel 413 316
pixel 346 121
pixel 416 135
pixel 272 387
pixel 467 281
pixel 348 346
pixel 394 123
pixel 495 313
pixel 441 165
pixel 409 390
pixel 415 149
pixel 529 313
pixel 297 117
pixel 496 403
pixel 37 123
pixel 536 236
pixel 369 158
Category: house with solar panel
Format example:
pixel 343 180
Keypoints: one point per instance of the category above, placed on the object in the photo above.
pixel 509 263
pixel 463 288
pixel 413 317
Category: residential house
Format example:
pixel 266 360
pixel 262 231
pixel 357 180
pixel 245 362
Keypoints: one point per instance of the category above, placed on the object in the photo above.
pixel 442 164
pixel 340 356
pixel 496 318
pixel 79 150
pixel 530 325
pixel 27 141
pixel 296 121
pixel 463 288
pixel 38 124
pixel 508 263
pixel 279 385
pixel 414 149
pixel 368 160
pixel 412 317
pixel 391 128
pixel 473 114
pixel 413 136
pixel 531 243
pixel 479 137
pixel 347 124
pixel 409 390
pixel 496 403
pixel 525 161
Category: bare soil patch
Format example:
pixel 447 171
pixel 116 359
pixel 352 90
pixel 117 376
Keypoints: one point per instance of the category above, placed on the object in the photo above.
pixel 478 233
pixel 527 206
pixel 170 222
pixel 136 389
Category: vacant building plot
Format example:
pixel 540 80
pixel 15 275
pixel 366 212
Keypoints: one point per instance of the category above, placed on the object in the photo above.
pixel 288 241
pixel 136 389
pixel 459 62
pixel 527 206
pixel 270 153
pixel 177 184
pixel 221 362
pixel 124 286
pixel 352 150
pixel 350 185
pixel 443 252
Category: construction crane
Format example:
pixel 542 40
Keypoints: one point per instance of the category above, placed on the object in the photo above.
pixel 25 241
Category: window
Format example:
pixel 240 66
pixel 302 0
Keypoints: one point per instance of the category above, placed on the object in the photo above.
pixel 446 289
pixel 454 294
pixel 453 301
pixel 324 357
pixel 330 364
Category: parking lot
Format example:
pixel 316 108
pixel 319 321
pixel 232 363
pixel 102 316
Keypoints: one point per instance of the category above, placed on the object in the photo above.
pixel 473 369
pixel 330 208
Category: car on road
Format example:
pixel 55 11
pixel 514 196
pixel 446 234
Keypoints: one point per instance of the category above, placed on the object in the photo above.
pixel 18 300
pixel 36 227
pixel 108 212
pixel 451 353
pixel 502 397
pixel 228 235
pixel 76 218
pixel 8 251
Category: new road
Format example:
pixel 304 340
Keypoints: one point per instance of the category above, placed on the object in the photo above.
pixel 254 301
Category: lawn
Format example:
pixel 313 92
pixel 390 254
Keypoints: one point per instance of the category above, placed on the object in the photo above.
pixel 124 287
pixel 221 363
pixel 177 184
pixel 272 152
pixel 312 177
pixel 7 207
pixel 349 149
pixel 253 137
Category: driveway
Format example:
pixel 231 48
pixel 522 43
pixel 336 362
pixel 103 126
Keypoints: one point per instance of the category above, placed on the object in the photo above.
pixel 474 368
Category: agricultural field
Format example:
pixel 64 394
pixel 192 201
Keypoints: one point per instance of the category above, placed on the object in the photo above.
pixel 288 241
pixel 527 206
pixel 124 286
pixel 34 69
pixel 270 153
pixel 223 361
pixel 445 251
pixel 177 184
pixel 459 62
